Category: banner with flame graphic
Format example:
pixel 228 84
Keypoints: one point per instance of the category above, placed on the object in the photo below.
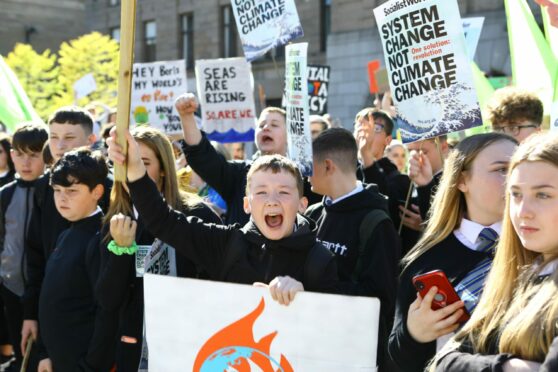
pixel 204 326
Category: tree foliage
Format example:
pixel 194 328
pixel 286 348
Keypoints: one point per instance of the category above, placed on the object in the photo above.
pixel 38 76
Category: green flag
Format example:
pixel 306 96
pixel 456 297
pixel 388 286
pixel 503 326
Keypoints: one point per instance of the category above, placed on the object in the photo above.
pixel 15 106
pixel 533 63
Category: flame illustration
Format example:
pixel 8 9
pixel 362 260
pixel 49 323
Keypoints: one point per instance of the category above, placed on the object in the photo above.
pixel 233 346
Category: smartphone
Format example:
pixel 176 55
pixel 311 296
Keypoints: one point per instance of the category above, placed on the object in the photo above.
pixel 445 296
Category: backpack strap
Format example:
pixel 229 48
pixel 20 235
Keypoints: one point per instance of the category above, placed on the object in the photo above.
pixel 316 262
pixel 367 227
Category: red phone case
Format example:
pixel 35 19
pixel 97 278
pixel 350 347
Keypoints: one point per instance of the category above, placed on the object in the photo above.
pixel 445 296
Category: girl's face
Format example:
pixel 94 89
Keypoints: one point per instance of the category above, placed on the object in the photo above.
pixel 398 156
pixel 483 185
pixel 533 188
pixel 151 162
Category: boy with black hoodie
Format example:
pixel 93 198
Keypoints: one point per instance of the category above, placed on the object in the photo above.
pixel 277 246
pixel 71 323
pixel 16 200
pixel 353 222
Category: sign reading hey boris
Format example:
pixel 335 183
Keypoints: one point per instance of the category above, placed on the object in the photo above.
pixel 265 24
pixel 429 72
pixel 226 91
pixel 296 93
pixel 318 84
pixel 255 331
pixel 154 88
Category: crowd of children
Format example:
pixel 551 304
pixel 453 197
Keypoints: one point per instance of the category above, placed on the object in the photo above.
pixel 75 244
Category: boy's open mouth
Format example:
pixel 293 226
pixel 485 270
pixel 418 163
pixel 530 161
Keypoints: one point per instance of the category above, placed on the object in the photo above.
pixel 273 220
pixel 267 139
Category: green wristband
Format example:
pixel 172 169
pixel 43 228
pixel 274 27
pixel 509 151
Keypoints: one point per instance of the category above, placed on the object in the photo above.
pixel 119 251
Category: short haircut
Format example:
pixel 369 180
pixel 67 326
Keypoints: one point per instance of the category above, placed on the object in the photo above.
pixel 512 105
pixel 48 159
pixel 30 137
pixel 276 110
pixel 6 143
pixel 363 114
pixel 388 121
pixel 73 115
pixel 320 120
pixel 339 145
pixel 79 166
pixel 276 164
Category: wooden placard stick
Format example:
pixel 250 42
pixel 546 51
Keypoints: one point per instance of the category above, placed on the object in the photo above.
pixel 128 29
pixel 409 193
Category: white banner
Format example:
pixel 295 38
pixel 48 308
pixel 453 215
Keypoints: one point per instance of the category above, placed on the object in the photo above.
pixel 265 24
pixel 195 325
pixel 429 72
pixel 155 86
pixel 226 91
pixel 296 94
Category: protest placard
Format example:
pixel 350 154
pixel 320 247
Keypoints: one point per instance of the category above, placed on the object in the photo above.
pixel 84 86
pixel 318 84
pixel 215 325
pixel 265 24
pixel 154 89
pixel 226 92
pixel 373 66
pixel 296 97
pixel 472 28
pixel 429 72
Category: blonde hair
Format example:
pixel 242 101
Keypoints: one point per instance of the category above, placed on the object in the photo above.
pixel 518 309
pixel 120 201
pixel 448 205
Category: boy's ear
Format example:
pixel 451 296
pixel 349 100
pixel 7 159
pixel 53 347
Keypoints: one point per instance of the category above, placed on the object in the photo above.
pixel 98 191
pixel 91 139
pixel 12 154
pixel 388 140
pixel 246 204
pixel 329 166
pixel 302 204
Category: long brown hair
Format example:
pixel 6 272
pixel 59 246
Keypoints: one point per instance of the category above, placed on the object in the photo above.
pixel 120 201
pixel 513 305
pixel 448 206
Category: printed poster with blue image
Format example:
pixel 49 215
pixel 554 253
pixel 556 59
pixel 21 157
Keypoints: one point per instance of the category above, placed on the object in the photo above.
pixel 428 67
pixel 265 24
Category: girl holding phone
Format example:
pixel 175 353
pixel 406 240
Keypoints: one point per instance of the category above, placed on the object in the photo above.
pixel 469 200
pixel 515 322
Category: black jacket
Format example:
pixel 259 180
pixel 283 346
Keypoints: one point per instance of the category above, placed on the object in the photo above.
pixel 206 244
pixel 9 177
pixel 72 327
pixel 44 228
pixel 228 178
pixel 118 288
pixel 426 193
pixel 456 261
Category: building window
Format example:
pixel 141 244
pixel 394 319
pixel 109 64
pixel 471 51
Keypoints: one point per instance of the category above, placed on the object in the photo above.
pixel 150 41
pixel 114 2
pixel 325 25
pixel 228 32
pixel 187 39
pixel 115 33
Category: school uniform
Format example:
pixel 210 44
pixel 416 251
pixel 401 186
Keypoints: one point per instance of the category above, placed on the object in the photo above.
pixel 72 327
pixel 207 245
pixel 339 224
pixel 456 256
pixel 228 178
pixel 426 193
pixel 119 288
pixel 466 358
pixel 7 177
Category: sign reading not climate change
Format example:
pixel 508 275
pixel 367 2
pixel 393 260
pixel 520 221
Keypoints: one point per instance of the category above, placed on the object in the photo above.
pixel 429 72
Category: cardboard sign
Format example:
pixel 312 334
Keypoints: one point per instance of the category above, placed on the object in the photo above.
pixel 84 86
pixel 318 84
pixel 382 80
pixel 429 72
pixel 154 89
pixel 216 326
pixel 296 95
pixel 226 92
pixel 472 28
pixel 265 24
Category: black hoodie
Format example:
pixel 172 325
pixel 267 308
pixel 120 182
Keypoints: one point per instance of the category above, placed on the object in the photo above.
pixel 338 228
pixel 206 244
